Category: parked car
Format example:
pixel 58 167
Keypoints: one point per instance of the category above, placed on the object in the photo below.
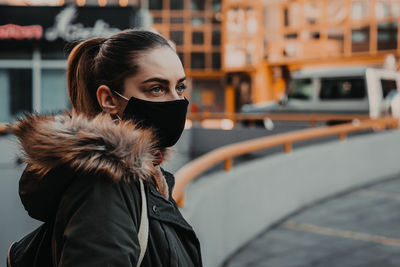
pixel 341 90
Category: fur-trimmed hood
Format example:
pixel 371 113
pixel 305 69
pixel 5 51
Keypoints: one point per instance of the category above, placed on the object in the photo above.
pixel 120 151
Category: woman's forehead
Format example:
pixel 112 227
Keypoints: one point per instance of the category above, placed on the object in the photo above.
pixel 161 62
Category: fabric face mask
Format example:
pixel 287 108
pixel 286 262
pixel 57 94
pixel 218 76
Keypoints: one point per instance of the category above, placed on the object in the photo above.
pixel 166 118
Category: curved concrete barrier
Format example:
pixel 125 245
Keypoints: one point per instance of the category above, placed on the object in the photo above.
pixel 228 209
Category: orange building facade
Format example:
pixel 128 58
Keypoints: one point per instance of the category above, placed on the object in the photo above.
pixel 264 40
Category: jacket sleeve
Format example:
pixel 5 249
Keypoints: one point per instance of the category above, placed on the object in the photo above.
pixel 101 223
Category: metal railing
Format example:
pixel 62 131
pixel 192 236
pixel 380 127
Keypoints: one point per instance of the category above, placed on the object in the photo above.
pixel 311 118
pixel 5 129
pixel 226 153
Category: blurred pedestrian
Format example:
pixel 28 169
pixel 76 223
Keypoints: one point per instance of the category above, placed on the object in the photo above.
pixel 83 169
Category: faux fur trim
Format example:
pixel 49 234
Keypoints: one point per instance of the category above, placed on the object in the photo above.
pixel 100 146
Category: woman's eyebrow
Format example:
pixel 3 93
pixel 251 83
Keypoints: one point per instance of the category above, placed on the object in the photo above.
pixel 155 79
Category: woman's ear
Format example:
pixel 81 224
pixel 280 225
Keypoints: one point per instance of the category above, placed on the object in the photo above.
pixel 107 100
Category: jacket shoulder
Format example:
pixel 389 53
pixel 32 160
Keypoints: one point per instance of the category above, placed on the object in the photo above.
pixel 97 210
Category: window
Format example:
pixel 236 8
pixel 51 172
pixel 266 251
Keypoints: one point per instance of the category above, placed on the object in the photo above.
pixel 301 89
pixel 177 37
pixel 216 5
pixel 387 36
pixel 54 91
pixel 388 86
pixel 181 57
pixel 176 4
pixel 197 38
pixel 197 21
pixel 216 37
pixel 360 39
pixel 157 20
pixel 176 20
pixel 216 60
pixel 198 60
pixel 291 36
pixel 342 88
pixel 15 93
pixel 155 4
pixel 198 4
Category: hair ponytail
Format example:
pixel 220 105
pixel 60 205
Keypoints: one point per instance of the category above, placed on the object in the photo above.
pixel 80 76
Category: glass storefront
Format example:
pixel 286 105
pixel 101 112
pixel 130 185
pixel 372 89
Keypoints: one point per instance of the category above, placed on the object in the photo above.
pixel 21 92
pixel 15 93
pixel 34 48
pixel 54 95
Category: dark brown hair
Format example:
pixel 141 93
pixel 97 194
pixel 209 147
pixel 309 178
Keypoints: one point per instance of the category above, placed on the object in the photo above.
pixel 105 61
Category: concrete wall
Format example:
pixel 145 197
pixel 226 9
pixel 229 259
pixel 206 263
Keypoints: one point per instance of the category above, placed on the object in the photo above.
pixel 205 140
pixel 228 209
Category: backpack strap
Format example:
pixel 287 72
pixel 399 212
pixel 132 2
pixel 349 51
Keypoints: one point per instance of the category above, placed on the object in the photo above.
pixel 143 234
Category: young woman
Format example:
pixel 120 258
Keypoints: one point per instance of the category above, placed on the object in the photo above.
pixel 83 172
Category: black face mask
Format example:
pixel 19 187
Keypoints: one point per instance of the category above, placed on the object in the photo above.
pixel 166 118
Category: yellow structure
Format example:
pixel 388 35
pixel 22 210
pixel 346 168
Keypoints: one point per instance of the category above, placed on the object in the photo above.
pixel 266 39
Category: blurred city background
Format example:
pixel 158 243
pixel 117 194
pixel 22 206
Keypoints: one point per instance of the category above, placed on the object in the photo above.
pixel 306 91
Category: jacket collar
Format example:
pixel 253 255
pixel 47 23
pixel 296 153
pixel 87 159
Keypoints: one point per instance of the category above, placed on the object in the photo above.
pixel 98 146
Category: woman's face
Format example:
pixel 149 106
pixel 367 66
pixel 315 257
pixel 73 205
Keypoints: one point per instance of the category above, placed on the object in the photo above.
pixel 160 77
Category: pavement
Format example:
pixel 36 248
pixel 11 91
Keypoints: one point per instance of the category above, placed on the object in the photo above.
pixel 358 229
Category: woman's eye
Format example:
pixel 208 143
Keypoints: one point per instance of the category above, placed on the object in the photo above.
pixel 181 88
pixel 156 89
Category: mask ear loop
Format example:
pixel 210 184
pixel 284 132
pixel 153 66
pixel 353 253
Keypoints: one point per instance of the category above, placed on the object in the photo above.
pixel 118 117
pixel 120 95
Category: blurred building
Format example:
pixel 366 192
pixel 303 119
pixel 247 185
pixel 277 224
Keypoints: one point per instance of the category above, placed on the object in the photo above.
pixel 34 43
pixel 264 40
pixel 195 28
pixel 234 51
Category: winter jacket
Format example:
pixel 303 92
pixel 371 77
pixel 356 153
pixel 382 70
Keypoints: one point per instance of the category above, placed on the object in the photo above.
pixel 82 175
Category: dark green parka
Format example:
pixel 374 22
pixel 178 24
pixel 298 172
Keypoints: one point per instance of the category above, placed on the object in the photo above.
pixel 82 175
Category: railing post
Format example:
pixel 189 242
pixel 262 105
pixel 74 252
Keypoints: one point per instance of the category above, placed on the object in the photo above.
pixel 228 164
pixel 288 147
pixel 181 200
pixel 342 136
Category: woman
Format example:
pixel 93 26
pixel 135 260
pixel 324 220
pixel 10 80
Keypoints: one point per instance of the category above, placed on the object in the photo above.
pixel 83 169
